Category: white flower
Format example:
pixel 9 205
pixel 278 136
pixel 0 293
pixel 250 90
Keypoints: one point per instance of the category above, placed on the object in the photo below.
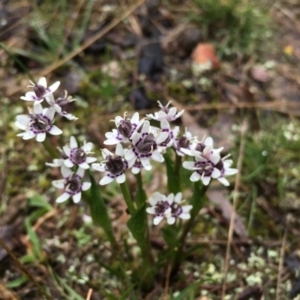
pixel 182 143
pixel 224 166
pixel 172 133
pixel 72 184
pixel 145 146
pixel 169 207
pixel 114 165
pixel 203 168
pixel 203 148
pixel 37 123
pixel 78 156
pixel 177 210
pixel 59 103
pixel 125 129
pixel 159 207
pixel 40 90
pixel 166 113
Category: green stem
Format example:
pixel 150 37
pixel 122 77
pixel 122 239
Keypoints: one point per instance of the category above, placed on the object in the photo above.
pixel 141 196
pixel 127 197
pixel 49 148
pixel 139 181
pixel 197 201
pixel 177 166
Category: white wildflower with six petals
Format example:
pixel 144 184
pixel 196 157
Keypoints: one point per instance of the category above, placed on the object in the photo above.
pixel 78 155
pixel 114 165
pixel 40 90
pixel 168 207
pixel 37 123
pixel 72 185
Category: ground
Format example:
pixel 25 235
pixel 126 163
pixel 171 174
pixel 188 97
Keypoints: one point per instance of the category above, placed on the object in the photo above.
pixel 241 86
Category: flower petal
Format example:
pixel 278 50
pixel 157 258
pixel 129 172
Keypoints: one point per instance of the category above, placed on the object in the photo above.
pixel 37 108
pixel 98 167
pixel 195 177
pixel 157 156
pixel 73 142
pixel 106 180
pixel 86 186
pixel 151 210
pixel 68 163
pixel 54 86
pixel 206 180
pixel 59 184
pixel 80 172
pixel 171 220
pixel 224 181
pixel 87 147
pixel 42 81
pixel 55 130
pixel 40 137
pixel 157 220
pixel 185 216
pixel 76 197
pixel 121 178
pixel 63 197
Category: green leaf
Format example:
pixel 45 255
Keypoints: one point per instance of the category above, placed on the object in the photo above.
pixel 140 197
pixel 99 211
pixel 170 235
pixel 173 179
pixel 39 201
pixel 137 224
pixel 72 293
pixel 17 282
pixel 34 239
pixel 188 292
pixel 37 214
pixel 198 199
pixel 27 259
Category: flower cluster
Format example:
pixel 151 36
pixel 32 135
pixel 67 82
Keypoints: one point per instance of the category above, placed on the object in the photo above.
pixel 207 162
pixel 137 144
pixel 73 156
pixel 168 207
pixel 39 122
pixel 143 142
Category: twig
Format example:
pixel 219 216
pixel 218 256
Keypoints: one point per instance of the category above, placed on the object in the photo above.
pixel 235 198
pixel 89 295
pixel 23 269
pixel 281 261
pixel 168 274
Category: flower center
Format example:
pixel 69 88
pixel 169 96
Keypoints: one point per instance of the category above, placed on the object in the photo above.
pixel 200 147
pixel 73 184
pixel 40 91
pixel 183 142
pixel 61 101
pixel 78 156
pixel 40 122
pixel 161 207
pixel 165 109
pixel 147 144
pixel 176 209
pixel 220 166
pixel 115 164
pixel 125 128
pixel 204 167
